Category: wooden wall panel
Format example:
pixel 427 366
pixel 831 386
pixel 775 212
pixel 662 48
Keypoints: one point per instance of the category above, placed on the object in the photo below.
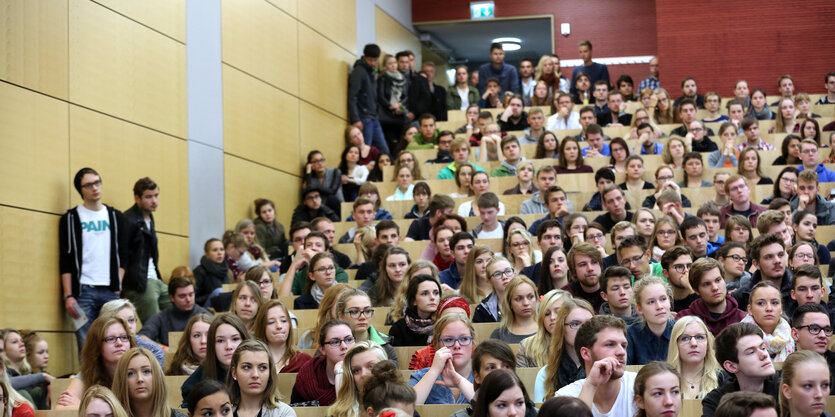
pixel 322 131
pixel 30 294
pixel 246 181
pixel 324 79
pixel 261 40
pixel 336 20
pixel 33 152
pixel 125 69
pixel 173 252
pixel 122 153
pixel 289 6
pixel 260 122
pixel 392 37
pixel 166 16
pixel 33 45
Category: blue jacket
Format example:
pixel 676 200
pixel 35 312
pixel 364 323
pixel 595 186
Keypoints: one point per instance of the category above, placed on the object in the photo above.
pixel 605 151
pixel 451 276
pixel 507 76
pixel 824 174
pixel 644 346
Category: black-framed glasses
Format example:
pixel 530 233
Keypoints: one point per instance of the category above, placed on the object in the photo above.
pixel 450 341
pixel 348 340
pixel 112 339
pixel 815 329
pixel 686 338
pixel 264 283
pixel 738 258
pixel 355 314
pixel 680 268
pixel 507 272
pixel 632 260
pixel 96 183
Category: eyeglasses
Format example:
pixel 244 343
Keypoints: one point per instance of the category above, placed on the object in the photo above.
pixel 355 314
pixel 112 339
pixel 789 180
pixel 596 236
pixel 313 197
pixel 89 185
pixel 686 338
pixel 738 258
pixel 318 161
pixel 507 272
pixel 665 178
pixel 808 256
pixel 348 340
pixel 325 269
pixel 519 244
pixel 405 160
pixel 574 325
pixel 815 329
pixel 697 129
pixel 738 188
pixel 680 268
pixel 450 341
pixel 264 283
pixel 632 260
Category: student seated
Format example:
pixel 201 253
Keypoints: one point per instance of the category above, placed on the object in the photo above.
pixel 321 276
pixel 316 378
pixel 192 347
pixel 503 389
pixel 616 289
pixel 226 333
pixel 691 353
pixel 533 350
pixel 500 272
pixel 273 326
pixel 519 309
pixel 384 389
pixel 570 316
pixel 649 338
pixel 658 390
pixel 747 404
pixel 602 346
pixel 107 341
pixel 422 298
pixel 765 311
pixel 742 352
pixel 137 369
pixel 452 359
pixel 489 208
pixel 715 307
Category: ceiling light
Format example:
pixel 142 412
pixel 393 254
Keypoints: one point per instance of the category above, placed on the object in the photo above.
pixel 509 44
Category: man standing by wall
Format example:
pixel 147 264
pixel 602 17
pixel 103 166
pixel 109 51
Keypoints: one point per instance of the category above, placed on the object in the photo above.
pixel 594 70
pixel 92 254
pixel 143 283
pixel 362 98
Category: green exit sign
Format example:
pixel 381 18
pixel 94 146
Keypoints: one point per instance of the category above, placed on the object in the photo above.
pixel 482 10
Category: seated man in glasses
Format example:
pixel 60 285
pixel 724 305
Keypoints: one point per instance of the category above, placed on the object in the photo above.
pixel 811 330
pixel 634 255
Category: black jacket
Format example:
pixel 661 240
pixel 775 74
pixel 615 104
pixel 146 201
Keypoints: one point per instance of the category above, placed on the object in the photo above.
pixel 70 249
pixel 142 244
pixel 771 386
pixel 743 294
pixel 208 276
pixel 362 92
pixel 420 98
pixel 303 214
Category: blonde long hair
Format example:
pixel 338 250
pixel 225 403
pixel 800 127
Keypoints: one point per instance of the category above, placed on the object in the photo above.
pixel 104 394
pixel 527 236
pixel 348 398
pixel 121 387
pixel 508 315
pixel 24 368
pixel 469 289
pixel 558 341
pixel 538 344
pixel 710 379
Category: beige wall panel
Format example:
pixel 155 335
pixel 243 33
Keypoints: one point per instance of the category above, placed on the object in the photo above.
pixel 323 131
pixel 246 181
pixel 393 37
pixel 323 80
pixel 173 252
pixel 122 153
pixel 166 16
pixel 30 294
pixel 260 122
pixel 334 19
pixel 261 40
pixel 289 6
pixel 34 150
pixel 33 45
pixel 122 68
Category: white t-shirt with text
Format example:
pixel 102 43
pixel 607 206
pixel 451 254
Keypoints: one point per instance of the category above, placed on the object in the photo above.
pixel 95 243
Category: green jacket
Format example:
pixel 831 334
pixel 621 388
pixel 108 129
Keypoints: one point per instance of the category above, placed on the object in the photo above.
pixel 502 171
pixel 448 172
pixel 453 100
pixel 301 276
pixel 420 142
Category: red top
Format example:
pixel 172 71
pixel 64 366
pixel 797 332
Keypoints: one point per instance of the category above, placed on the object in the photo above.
pixel 295 363
pixel 23 410
pixel 442 263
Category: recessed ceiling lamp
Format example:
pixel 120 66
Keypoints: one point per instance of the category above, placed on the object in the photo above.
pixel 509 44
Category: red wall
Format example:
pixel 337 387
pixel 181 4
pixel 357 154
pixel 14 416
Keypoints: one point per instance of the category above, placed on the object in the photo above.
pixel 620 36
pixel 720 42
pixel 716 42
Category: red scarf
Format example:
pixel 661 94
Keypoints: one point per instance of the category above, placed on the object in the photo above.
pixel 441 263
pixel 312 382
